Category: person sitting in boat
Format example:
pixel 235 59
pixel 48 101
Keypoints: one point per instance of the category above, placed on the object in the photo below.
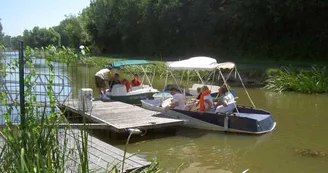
pixel 225 97
pixel 205 100
pixel 127 85
pixel 135 81
pixel 194 105
pixel 178 100
pixel 114 81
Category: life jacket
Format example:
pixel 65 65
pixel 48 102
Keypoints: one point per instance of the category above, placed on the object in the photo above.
pixel 201 100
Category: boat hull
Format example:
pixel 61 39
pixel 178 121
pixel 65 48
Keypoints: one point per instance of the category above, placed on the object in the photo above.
pixel 248 120
pixel 133 98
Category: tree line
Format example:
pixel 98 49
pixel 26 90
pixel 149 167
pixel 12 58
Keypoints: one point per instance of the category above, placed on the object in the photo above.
pixel 282 29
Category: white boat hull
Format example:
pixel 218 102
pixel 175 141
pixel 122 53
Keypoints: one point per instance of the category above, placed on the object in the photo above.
pixel 194 122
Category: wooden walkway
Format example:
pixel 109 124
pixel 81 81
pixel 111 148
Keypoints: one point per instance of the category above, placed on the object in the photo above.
pixel 102 157
pixel 120 116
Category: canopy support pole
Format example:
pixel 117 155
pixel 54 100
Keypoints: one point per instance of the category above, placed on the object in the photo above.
pixel 200 77
pixel 188 75
pixel 165 83
pixel 143 69
pixel 175 80
pixel 242 83
pixel 225 83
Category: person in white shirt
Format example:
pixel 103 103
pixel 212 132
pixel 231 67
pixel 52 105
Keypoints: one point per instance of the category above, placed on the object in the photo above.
pixel 101 77
pixel 178 100
pixel 225 97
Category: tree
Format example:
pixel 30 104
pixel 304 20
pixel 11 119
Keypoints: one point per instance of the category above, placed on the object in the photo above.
pixel 1 34
pixel 72 32
pixel 39 37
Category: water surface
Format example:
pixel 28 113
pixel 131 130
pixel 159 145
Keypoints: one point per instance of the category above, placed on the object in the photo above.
pixel 301 126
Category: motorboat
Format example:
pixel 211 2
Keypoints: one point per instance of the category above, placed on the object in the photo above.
pixel 144 91
pixel 230 118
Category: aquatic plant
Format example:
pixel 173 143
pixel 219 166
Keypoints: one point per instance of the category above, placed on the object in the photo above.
pixel 310 81
pixel 310 152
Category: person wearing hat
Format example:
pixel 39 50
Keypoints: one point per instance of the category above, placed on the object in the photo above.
pixel 178 100
pixel 101 77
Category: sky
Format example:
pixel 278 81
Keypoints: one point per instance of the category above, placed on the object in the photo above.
pixel 18 15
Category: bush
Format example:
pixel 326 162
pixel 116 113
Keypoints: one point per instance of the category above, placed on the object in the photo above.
pixel 304 81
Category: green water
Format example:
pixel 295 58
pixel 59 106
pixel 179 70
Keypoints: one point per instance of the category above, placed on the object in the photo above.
pixel 301 125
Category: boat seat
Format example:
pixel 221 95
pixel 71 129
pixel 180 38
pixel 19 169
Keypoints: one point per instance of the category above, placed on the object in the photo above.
pixel 118 89
pixel 137 87
pixel 230 107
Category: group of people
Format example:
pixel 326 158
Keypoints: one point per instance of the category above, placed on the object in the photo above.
pixel 204 101
pixel 104 75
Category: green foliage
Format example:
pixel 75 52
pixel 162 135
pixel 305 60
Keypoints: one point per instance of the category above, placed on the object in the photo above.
pixel 274 29
pixel 278 30
pixel 33 146
pixel 1 34
pixel 305 81
pixel 72 32
pixel 41 37
pixel 11 42
pixel 63 54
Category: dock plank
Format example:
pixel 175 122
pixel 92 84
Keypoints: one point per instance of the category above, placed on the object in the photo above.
pixel 102 157
pixel 120 116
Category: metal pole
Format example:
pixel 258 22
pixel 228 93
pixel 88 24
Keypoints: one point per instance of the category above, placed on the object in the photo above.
pixel 21 85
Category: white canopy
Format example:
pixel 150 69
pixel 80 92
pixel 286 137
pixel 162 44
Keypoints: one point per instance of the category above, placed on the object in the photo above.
pixel 226 65
pixel 194 63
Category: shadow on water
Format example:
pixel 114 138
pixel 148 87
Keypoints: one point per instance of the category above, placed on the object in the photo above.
pixel 172 132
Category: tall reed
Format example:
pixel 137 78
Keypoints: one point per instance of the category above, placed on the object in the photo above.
pixel 310 81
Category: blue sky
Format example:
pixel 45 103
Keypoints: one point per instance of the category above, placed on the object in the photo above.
pixel 18 15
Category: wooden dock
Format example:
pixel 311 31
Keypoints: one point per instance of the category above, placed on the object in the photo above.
pixel 119 116
pixel 102 157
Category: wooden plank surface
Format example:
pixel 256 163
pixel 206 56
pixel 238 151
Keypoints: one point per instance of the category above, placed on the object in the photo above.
pixel 120 116
pixel 102 157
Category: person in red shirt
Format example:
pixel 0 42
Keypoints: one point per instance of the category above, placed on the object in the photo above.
pixel 135 81
pixel 127 85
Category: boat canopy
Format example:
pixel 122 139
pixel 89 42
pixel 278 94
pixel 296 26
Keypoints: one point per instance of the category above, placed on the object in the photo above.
pixel 195 63
pixel 118 64
pixel 226 65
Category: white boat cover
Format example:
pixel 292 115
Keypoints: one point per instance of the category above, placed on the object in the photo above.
pixel 194 63
pixel 226 65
